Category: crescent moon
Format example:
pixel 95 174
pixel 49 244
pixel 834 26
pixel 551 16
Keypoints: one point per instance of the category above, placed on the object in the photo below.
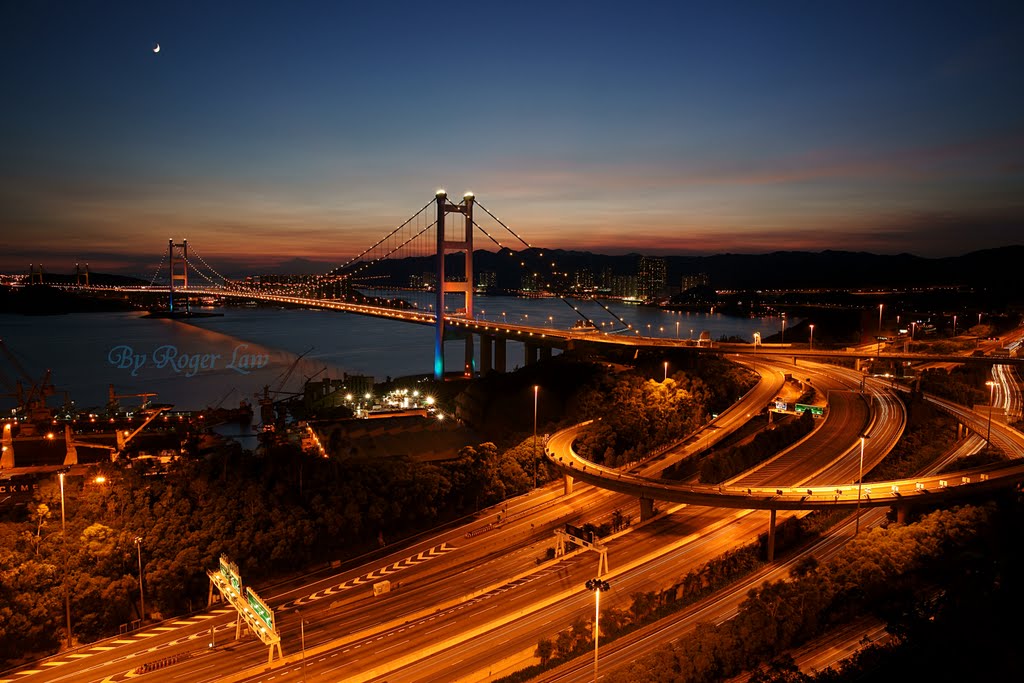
pixel 157 48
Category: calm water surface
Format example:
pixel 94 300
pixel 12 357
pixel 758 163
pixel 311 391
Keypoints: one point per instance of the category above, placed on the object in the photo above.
pixel 223 359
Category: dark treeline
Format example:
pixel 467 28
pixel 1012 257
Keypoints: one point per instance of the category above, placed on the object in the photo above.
pixel 964 384
pixel 270 514
pixel 717 467
pixel 279 512
pixel 638 414
pixel 891 572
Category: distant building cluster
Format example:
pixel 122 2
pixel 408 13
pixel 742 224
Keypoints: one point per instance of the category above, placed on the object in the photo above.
pixel 650 279
pixel 694 280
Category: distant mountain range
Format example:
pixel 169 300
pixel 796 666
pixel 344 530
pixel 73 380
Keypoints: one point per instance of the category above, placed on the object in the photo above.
pixel 990 268
pixel 999 268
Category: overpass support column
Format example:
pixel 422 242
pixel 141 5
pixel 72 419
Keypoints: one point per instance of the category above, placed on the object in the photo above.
pixel 499 354
pixel 530 353
pixel 646 509
pixel 7 457
pixel 856 364
pixel 486 360
pixel 901 514
pixel 545 353
pixel 771 537
pixel 467 366
pixel 568 481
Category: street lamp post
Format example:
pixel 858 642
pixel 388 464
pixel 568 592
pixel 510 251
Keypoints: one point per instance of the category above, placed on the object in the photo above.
pixel 536 394
pixel 783 328
pixel 302 639
pixel 860 483
pixel 142 596
pixel 677 329
pixel 954 325
pixel 64 543
pixel 880 319
pixel 811 345
pixel 666 372
pixel 597 585
pixel 991 394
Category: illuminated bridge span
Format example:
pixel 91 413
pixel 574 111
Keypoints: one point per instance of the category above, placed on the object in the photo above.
pixel 442 233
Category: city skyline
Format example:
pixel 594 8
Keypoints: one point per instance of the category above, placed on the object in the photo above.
pixel 264 134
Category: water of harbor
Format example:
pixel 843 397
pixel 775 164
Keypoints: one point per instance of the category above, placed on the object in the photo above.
pixel 220 360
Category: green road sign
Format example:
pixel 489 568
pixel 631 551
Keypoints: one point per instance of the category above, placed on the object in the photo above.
pixel 229 570
pixel 265 614
pixel 816 411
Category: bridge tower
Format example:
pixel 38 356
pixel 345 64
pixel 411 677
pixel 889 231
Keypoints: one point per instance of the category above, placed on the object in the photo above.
pixel 177 257
pixel 445 245
pixel 35 276
pixel 81 275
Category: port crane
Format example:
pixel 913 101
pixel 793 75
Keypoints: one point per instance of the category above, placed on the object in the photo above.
pixel 114 405
pixel 32 406
pixel 268 403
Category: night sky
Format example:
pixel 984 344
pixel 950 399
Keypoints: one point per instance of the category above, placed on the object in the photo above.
pixel 264 131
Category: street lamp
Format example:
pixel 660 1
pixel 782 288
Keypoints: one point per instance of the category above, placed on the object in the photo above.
pixel 597 585
pixel 666 372
pixel 954 324
pixel 302 637
pixel 536 394
pixel 142 597
pixel 860 483
pixel 991 393
pixel 64 543
pixel 783 328
pixel 677 329
pixel 811 345
pixel 880 319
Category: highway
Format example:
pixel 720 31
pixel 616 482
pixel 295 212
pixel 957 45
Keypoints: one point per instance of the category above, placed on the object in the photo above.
pixel 828 649
pixel 478 590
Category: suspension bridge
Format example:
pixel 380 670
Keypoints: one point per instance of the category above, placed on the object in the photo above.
pixel 422 272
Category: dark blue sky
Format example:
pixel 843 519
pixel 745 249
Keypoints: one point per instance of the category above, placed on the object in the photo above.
pixel 264 131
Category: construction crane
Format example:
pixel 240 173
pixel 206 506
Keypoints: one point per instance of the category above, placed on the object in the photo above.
pixel 114 406
pixel 267 402
pixel 123 438
pixel 32 403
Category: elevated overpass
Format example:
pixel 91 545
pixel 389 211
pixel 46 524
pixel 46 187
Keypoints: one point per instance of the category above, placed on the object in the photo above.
pixel 895 493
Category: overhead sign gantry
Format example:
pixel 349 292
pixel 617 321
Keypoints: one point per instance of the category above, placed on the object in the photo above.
pixel 252 610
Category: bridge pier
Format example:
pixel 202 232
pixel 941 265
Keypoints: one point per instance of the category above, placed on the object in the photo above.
pixel 486 359
pixel 529 353
pixel 499 354
pixel 468 365
pixel 567 484
pixel 646 509
pixel 545 353
pixel 856 364
pixel 771 536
